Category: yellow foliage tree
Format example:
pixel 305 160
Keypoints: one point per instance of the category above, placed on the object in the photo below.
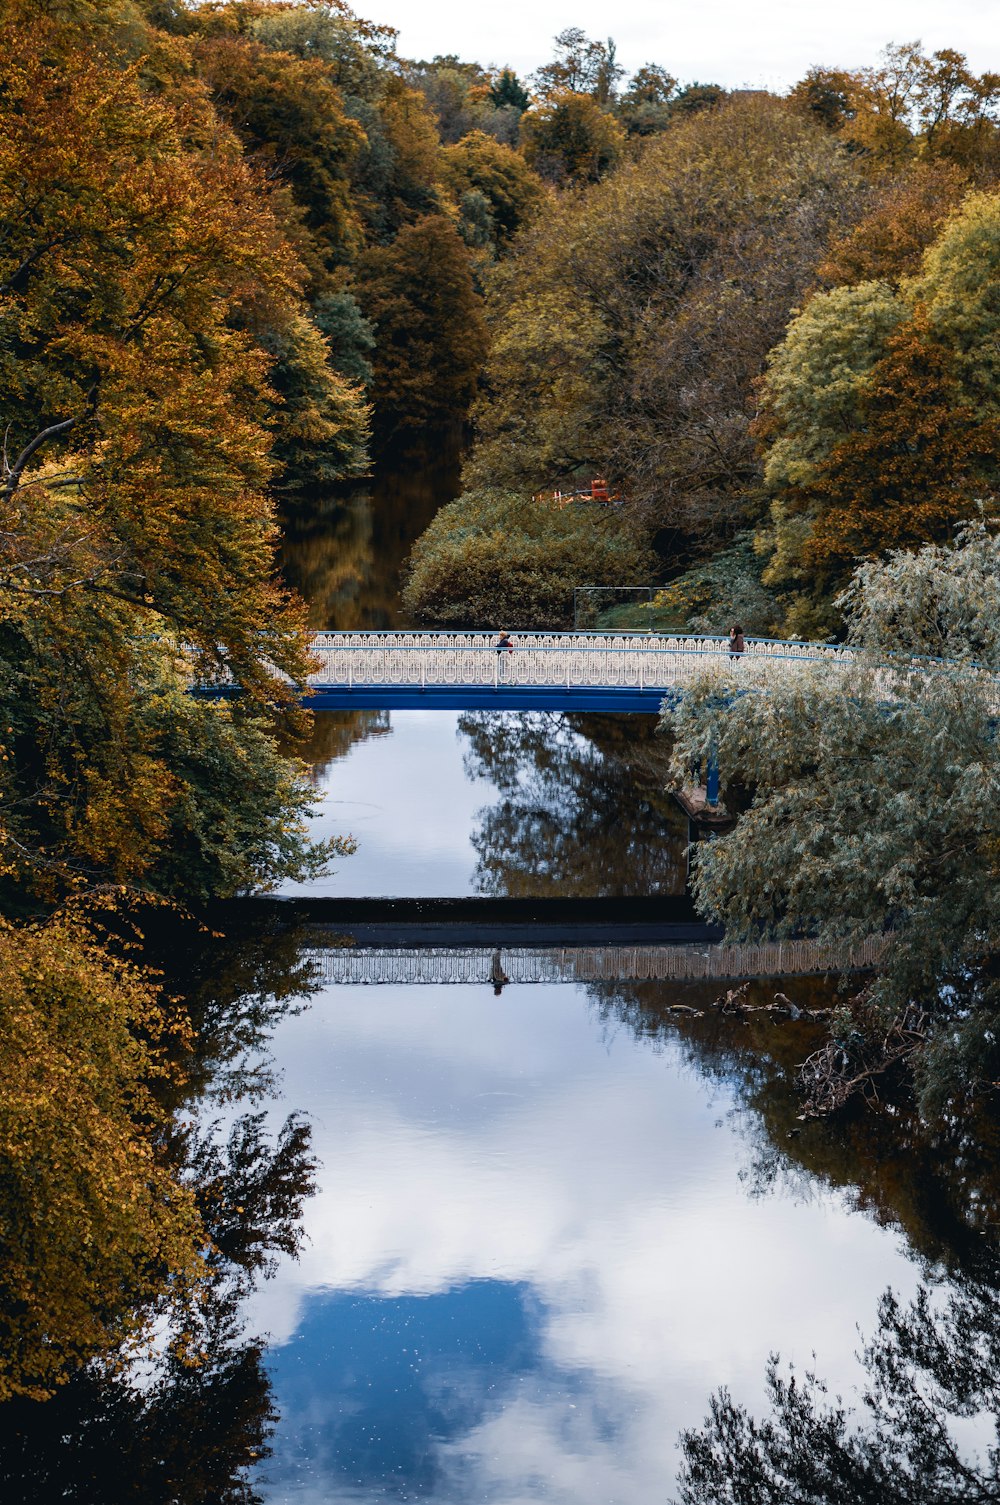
pixel 95 1227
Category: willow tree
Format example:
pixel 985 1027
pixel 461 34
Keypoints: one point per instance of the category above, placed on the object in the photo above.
pixel 876 792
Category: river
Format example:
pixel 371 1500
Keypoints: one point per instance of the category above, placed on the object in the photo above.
pixel 549 1223
pixel 550 1219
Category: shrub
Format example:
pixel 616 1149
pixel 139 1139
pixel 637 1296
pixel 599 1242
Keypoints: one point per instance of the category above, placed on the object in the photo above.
pixel 493 558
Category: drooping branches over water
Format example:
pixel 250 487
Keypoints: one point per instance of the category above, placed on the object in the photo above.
pixel 876 807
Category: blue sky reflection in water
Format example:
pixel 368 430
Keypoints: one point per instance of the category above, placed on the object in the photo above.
pixel 405 795
pixel 533 1254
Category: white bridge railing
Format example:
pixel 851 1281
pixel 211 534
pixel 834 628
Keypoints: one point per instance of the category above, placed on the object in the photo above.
pixel 547 964
pixel 630 661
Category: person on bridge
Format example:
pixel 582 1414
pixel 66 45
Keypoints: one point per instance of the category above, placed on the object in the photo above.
pixel 505 643
pixel 737 643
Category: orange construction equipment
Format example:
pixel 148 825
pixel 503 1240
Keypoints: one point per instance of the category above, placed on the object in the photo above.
pixel 599 489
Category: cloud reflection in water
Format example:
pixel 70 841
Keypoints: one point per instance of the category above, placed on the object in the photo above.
pixel 556 1215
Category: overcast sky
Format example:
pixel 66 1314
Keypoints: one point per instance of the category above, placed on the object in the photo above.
pixel 730 42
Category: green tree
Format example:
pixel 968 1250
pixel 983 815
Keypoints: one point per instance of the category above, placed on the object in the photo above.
pixel 321 434
pixel 881 415
pixel 507 92
pixel 874 810
pixel 419 294
pixel 494 557
pixel 352 339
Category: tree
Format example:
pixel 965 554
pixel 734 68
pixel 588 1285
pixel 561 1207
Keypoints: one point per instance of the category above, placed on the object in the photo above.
pixel 827 95
pixel 560 825
pixel 498 557
pixel 419 294
pixel 321 434
pixel 646 105
pixel 290 115
pixel 134 505
pixel 580 66
pixel 512 192
pixel 909 107
pixel 507 92
pixel 352 339
pixel 875 811
pixel 887 244
pixel 568 137
pixel 96 1226
pixel 881 415
pixel 930 1367
pixel 630 325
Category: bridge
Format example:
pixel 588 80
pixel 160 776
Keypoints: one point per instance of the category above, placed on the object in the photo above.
pixel 581 964
pixel 545 670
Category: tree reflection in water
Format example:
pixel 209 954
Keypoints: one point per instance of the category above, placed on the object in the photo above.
pixel 932 1373
pixel 345 554
pixel 562 826
pixel 187 1424
pixel 920 1432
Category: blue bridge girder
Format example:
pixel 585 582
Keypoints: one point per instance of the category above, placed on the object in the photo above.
pixel 396 697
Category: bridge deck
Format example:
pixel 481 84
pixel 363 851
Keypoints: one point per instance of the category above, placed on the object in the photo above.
pixel 554 670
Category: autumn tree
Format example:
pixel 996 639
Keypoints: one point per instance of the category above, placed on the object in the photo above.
pixel 632 322
pixel 888 242
pixel 134 492
pixel 512 192
pixel 418 292
pixel 580 66
pixel 568 137
pixel 290 116
pixel 95 1225
pixel 909 106
pixel 881 416
pixel 645 106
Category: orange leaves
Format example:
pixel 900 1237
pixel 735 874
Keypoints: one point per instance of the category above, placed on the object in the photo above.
pixel 919 461
pixel 93 1220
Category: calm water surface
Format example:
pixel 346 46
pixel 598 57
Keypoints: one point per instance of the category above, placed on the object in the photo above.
pixel 539 1243
pixel 549 1224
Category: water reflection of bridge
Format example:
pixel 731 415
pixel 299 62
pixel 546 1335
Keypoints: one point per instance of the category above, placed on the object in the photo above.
pixel 549 964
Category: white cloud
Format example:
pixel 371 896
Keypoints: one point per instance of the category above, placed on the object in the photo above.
pixel 504 1140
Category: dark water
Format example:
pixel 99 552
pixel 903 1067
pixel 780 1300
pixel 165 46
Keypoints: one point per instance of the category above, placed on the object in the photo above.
pixel 345 555
pixel 548 1224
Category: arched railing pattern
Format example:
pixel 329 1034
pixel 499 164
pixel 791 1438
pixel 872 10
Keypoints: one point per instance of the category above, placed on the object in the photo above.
pixel 379 965
pixel 573 660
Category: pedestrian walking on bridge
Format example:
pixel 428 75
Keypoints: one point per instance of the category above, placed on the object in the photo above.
pixel 737 644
